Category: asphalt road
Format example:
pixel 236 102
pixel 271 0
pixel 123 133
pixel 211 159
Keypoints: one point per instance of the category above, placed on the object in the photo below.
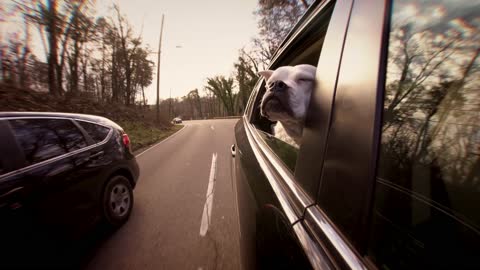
pixel 164 229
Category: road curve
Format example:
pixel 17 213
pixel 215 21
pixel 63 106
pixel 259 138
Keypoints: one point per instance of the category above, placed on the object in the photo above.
pixel 164 229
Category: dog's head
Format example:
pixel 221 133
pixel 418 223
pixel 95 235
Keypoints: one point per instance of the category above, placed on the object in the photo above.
pixel 288 93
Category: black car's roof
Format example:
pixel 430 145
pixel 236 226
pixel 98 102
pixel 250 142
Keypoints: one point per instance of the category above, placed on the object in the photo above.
pixel 79 116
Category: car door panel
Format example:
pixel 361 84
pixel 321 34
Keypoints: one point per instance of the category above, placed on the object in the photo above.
pixel 293 194
pixel 87 183
pixel 50 202
pixel 246 204
pixel 350 154
pixel 318 121
pixel 270 225
pixel 339 220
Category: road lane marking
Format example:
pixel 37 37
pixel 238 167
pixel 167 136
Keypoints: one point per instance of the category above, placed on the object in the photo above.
pixel 207 207
pixel 168 138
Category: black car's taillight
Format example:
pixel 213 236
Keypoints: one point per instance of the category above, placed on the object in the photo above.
pixel 126 140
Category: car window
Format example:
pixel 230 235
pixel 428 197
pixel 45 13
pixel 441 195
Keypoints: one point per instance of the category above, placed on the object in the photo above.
pixel 97 132
pixel 42 139
pixel 428 180
pixel 305 49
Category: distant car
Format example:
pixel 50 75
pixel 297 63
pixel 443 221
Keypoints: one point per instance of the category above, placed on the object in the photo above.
pixel 387 175
pixel 176 120
pixel 60 173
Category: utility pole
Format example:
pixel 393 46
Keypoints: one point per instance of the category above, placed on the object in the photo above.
pixel 158 71
pixel 170 105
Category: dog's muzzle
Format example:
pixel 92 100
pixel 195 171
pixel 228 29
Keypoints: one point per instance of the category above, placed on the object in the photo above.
pixel 275 100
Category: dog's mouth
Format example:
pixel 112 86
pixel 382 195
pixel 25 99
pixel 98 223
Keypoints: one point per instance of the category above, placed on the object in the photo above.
pixel 274 105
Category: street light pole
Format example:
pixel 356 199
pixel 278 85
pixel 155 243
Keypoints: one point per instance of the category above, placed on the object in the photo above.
pixel 170 105
pixel 158 71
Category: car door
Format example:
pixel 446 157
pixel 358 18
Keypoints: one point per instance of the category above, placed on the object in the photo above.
pixel 275 181
pixel 338 220
pixel 49 145
pixel 424 213
pixel 28 189
pixel 14 219
pixel 399 177
pixel 91 164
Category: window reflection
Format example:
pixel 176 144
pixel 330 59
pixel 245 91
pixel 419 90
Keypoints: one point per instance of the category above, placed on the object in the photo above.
pixel 429 166
pixel 286 152
pixel 97 133
pixel 42 139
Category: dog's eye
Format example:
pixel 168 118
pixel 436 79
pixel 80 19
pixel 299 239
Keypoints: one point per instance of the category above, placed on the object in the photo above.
pixel 304 80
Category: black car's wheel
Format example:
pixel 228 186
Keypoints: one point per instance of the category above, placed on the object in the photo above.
pixel 117 200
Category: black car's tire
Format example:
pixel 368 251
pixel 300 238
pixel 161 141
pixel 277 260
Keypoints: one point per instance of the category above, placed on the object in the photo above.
pixel 117 201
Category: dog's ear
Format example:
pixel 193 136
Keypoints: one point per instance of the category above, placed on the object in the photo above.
pixel 266 74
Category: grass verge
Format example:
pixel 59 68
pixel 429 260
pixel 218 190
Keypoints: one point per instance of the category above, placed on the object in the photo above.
pixel 142 135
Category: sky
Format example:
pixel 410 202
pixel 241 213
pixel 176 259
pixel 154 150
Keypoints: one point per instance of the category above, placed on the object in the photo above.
pixel 200 38
pixel 209 33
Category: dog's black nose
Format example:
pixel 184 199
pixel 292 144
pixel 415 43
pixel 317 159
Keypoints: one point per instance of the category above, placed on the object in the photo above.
pixel 279 86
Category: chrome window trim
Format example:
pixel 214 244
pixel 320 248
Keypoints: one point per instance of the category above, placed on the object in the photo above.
pixel 284 173
pixel 251 99
pixel 48 161
pixel 54 117
pixel 318 259
pixel 91 122
pixel 340 245
pixel 270 174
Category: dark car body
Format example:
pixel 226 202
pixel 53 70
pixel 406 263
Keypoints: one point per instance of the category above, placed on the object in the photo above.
pixel 388 172
pixel 54 168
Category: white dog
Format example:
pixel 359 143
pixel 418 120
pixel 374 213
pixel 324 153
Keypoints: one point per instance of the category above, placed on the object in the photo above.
pixel 286 100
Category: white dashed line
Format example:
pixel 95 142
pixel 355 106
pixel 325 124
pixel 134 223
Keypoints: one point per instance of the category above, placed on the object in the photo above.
pixel 207 207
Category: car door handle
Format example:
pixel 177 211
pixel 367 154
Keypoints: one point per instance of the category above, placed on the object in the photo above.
pixel 7 200
pixel 10 192
pixel 96 155
pixel 233 150
pixel 92 156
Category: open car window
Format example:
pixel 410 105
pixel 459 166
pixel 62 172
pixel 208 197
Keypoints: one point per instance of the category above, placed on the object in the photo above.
pixel 306 49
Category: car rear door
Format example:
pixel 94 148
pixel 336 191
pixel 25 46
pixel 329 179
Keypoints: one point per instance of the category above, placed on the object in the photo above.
pixel 276 182
pixel 338 220
pixel 92 165
pixel 39 161
pixel 400 174
pixel 49 144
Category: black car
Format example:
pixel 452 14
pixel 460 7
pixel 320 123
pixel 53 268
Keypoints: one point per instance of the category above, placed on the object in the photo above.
pixel 60 174
pixel 387 174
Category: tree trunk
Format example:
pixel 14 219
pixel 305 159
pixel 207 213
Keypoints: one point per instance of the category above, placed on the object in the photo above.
pixel 52 42
pixel 114 74
pixel 143 97
pixel 74 69
pixel 102 79
pixel 85 66
pixel 23 66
